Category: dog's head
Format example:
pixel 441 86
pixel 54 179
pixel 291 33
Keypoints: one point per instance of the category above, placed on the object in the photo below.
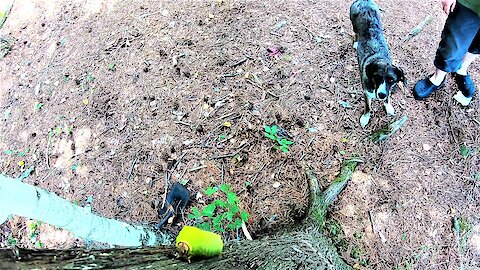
pixel 382 77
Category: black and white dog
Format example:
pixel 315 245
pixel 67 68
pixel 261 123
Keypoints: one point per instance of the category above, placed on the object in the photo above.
pixel 378 74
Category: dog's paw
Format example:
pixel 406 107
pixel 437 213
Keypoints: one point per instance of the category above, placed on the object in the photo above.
pixel 389 108
pixel 355 45
pixel 364 120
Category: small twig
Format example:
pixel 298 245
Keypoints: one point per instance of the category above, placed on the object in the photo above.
pixel 258 172
pixel 272 94
pixel 223 172
pixel 225 115
pixel 197 168
pixel 254 84
pixel 275 34
pixel 231 154
pixel 150 14
pixel 224 156
pixel 131 169
pixel 183 123
pixel 46 151
pixel 419 28
pixel 239 62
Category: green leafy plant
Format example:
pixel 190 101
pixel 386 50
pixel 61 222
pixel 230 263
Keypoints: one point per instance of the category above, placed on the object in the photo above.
pixel 465 151
pixel 34 232
pixel 222 213
pixel 90 77
pixel 5 46
pixel 283 143
pixel 12 241
pixel 38 106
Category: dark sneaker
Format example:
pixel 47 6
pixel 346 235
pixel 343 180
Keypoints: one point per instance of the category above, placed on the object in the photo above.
pixel 467 88
pixel 425 87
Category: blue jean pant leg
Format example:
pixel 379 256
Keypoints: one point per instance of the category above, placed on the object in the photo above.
pixel 458 33
pixel 475 46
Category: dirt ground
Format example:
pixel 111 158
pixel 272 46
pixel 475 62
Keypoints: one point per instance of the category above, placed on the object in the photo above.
pixel 109 98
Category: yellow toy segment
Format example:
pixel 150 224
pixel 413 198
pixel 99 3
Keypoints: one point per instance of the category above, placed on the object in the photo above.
pixel 192 242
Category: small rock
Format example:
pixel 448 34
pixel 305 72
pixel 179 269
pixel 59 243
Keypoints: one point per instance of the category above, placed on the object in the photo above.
pixel 426 147
pixel 56 83
pixel 276 184
pixel 187 142
pixel 332 79
pixel 165 12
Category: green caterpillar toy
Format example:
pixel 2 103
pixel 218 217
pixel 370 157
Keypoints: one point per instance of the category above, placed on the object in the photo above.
pixel 194 242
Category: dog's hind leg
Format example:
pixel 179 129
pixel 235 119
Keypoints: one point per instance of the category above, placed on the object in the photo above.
pixel 388 107
pixel 366 116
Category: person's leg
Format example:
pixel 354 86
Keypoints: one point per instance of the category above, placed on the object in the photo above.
pixel 458 33
pixel 465 84
pixel 467 60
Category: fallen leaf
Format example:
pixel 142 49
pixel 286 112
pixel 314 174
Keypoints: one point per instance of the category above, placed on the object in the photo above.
pixel 38 106
pixel 21 163
pixel 280 25
pixel 85 101
pixel 287 57
pixel 274 51
pixel 227 124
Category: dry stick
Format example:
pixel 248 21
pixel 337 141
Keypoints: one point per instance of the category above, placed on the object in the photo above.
pixel 167 178
pixel 225 115
pixel 131 169
pixel 223 172
pixel 46 151
pixel 197 168
pixel 419 28
pixel 240 148
pixel 239 62
pixel 182 123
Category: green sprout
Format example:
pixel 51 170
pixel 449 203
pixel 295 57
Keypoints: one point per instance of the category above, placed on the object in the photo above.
pixel 272 133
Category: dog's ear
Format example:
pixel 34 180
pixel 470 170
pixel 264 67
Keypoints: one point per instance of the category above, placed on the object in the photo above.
pixel 400 75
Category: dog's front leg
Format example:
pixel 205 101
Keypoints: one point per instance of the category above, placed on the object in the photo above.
pixel 388 107
pixel 366 116
pixel 355 42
